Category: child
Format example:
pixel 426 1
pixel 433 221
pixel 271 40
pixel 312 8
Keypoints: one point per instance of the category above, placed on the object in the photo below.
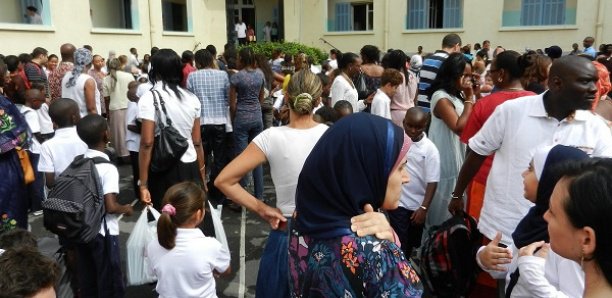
pixel 58 152
pixel 381 104
pixel 99 263
pixel 423 167
pixel 27 273
pixel 132 136
pixel 343 108
pixel 184 260
pixel 31 101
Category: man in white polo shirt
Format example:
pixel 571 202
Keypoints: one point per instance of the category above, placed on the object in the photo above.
pixel 559 116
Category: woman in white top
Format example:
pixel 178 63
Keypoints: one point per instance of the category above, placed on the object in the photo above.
pixel 183 108
pixel 285 149
pixel 451 105
pixel 115 95
pixel 81 87
pixel 343 88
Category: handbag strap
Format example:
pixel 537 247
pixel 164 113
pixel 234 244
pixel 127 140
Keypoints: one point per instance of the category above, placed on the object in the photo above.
pixel 157 96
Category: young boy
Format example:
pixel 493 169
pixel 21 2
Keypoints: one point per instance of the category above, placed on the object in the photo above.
pixel 381 104
pixel 132 137
pixel 58 152
pixel 31 101
pixel 99 262
pixel 343 108
pixel 423 166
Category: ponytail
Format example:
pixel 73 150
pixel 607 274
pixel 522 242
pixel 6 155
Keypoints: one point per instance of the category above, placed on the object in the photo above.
pixel 166 231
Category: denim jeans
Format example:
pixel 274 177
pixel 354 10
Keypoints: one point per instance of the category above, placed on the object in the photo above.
pixel 273 274
pixel 215 142
pixel 244 133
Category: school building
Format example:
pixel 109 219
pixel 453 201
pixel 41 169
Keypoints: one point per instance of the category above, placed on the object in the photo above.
pixel 346 24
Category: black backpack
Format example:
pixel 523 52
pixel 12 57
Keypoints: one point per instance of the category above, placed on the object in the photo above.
pixel 448 264
pixel 74 208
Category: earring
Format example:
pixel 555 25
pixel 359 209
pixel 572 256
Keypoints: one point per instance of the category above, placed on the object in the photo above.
pixel 500 80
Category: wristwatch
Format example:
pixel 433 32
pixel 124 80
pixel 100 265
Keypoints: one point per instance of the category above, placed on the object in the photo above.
pixel 141 183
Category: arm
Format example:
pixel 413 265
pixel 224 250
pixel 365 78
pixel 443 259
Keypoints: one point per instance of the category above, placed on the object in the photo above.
pixel 419 215
pixel 90 96
pixel 50 180
pixel 228 182
pixel 494 259
pixel 144 158
pixel 196 138
pixel 532 266
pixel 106 105
pixel 445 110
pixel 261 95
pixel 373 223
pixel 232 102
pixel 112 207
pixel 470 167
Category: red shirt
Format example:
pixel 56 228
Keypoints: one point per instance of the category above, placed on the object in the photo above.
pixel 187 69
pixel 480 113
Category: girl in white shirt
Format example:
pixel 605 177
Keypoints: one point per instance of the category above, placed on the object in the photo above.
pixel 543 273
pixel 182 258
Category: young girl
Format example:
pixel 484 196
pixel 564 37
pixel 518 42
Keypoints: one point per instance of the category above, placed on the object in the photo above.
pixel 530 273
pixel 183 259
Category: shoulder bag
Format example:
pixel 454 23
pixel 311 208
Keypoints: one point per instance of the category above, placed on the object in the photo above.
pixel 169 145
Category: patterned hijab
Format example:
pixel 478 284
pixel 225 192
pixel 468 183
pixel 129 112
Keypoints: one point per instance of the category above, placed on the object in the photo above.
pixel 13 127
pixel 82 58
pixel 348 168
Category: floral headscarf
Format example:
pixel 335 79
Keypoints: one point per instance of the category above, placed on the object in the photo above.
pixel 82 58
pixel 13 127
pixel 603 84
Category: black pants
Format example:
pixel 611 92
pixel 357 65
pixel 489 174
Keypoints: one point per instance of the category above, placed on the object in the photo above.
pixel 216 148
pixel 35 189
pixel 135 172
pixel 242 41
pixel 99 265
pixel 409 234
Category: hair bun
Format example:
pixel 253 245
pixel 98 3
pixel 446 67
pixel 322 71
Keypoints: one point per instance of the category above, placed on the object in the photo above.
pixel 303 96
pixel 302 104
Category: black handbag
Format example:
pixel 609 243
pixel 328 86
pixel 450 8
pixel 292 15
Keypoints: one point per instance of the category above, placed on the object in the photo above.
pixel 169 145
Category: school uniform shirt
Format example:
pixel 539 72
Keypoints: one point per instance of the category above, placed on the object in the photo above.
pixel 187 269
pixel 381 104
pixel 132 139
pixel 512 132
pixel 423 167
pixel 46 125
pixel 31 118
pixel 286 149
pixel 57 153
pixel 183 112
pixel 109 180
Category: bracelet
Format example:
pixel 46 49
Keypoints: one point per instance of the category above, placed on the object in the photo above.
pixel 423 207
pixel 202 168
pixel 456 197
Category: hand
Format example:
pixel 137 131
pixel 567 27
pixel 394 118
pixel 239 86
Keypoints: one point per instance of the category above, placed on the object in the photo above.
pixel 129 210
pixel 272 215
pixel 372 223
pixel 370 98
pixel 418 217
pixel 455 206
pixel 145 196
pixel 531 248
pixel 492 256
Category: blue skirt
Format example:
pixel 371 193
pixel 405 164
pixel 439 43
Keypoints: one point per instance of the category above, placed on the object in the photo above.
pixel 13 200
pixel 273 275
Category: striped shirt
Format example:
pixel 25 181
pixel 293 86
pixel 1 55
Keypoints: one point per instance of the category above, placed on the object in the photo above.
pixel 428 74
pixel 211 86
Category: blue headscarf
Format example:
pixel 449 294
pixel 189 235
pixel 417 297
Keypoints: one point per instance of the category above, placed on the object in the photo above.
pixel 347 169
pixel 533 227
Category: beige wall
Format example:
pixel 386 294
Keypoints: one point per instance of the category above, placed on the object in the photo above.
pixel 482 19
pixel 71 22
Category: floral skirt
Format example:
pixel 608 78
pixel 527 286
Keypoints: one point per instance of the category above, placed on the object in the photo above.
pixel 349 266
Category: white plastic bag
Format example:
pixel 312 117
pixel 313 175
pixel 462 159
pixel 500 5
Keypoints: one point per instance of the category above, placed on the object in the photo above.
pixel 218 224
pixel 138 271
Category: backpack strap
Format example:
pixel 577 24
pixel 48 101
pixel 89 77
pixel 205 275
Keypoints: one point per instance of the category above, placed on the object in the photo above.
pixel 99 160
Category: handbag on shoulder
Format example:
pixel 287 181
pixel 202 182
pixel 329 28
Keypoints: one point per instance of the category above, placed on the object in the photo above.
pixel 169 145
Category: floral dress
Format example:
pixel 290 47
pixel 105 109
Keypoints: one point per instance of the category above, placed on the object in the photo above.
pixel 349 266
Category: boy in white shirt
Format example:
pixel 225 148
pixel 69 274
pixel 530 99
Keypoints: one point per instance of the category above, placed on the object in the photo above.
pixel 381 104
pixel 58 152
pixel 132 136
pixel 423 167
pixel 33 100
pixel 99 261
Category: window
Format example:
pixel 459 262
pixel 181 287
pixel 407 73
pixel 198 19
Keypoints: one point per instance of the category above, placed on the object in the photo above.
pixel 350 16
pixel 116 14
pixel 174 14
pixel 31 12
pixel 542 12
pixel 434 14
pixel 539 12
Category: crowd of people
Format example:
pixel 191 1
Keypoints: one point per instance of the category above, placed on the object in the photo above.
pixel 369 154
